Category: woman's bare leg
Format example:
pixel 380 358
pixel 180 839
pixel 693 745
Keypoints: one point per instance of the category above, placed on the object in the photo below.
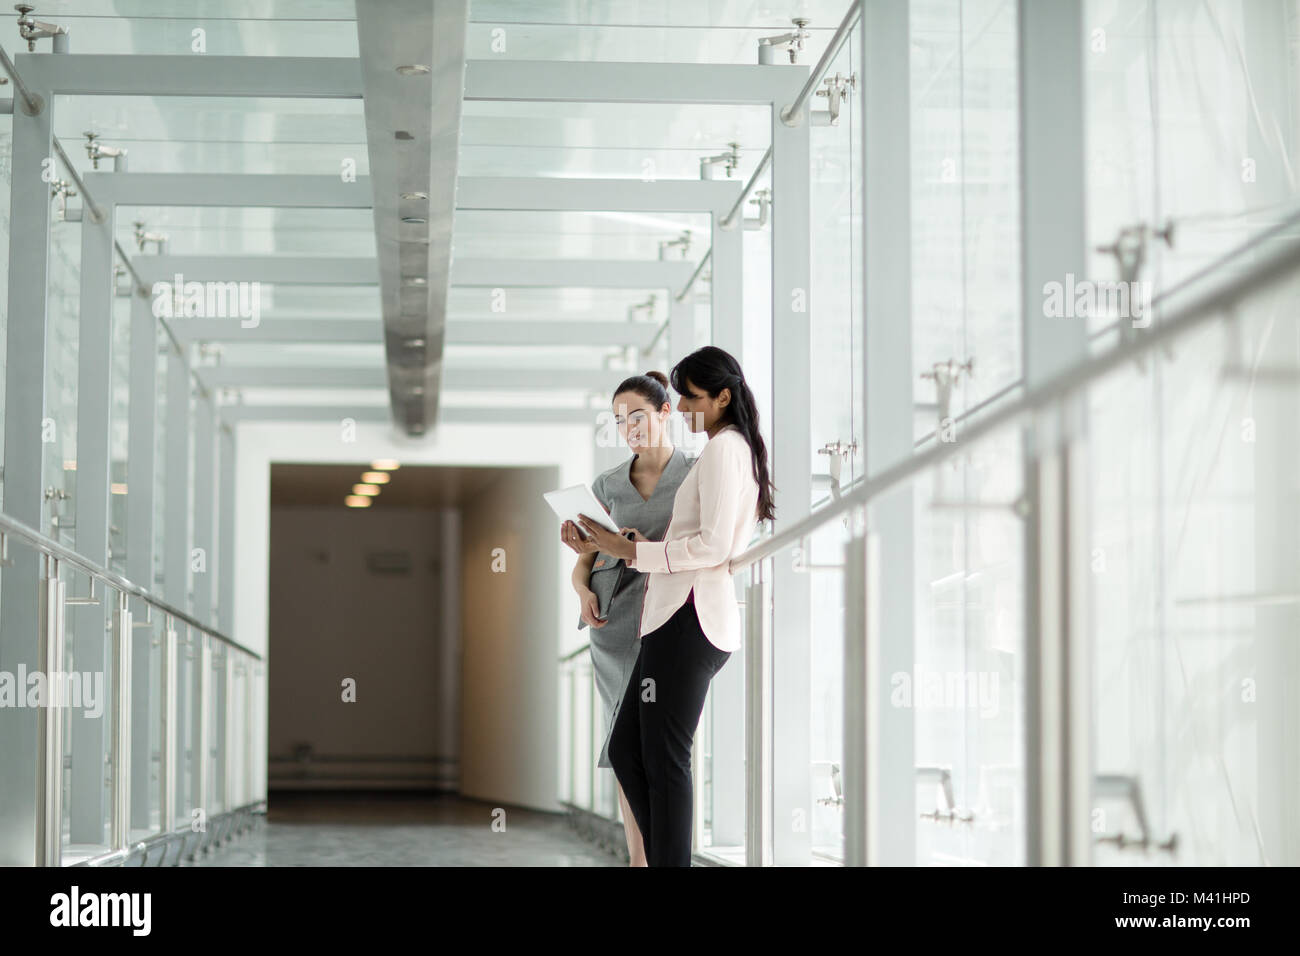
pixel 635 848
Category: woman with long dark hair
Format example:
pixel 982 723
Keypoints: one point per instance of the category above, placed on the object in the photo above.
pixel 690 622
pixel 638 494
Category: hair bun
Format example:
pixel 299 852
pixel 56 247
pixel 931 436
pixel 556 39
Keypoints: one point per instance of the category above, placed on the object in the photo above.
pixel 659 377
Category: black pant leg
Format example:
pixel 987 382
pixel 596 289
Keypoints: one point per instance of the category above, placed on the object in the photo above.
pixel 680 661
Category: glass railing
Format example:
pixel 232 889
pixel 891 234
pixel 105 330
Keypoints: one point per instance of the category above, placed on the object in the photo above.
pixel 1055 627
pixel 117 724
pixel 1065 636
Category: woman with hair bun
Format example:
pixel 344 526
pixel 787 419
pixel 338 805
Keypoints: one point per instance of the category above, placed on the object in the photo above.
pixel 638 494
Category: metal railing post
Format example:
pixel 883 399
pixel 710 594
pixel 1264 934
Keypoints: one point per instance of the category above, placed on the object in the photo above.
pixel 168 759
pixel 758 724
pixel 200 746
pixel 120 753
pixel 227 755
pixel 49 806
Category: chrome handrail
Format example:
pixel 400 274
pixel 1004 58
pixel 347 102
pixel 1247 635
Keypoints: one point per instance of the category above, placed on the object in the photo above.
pixel 728 221
pixel 48 546
pixel 792 114
pixel 1270 267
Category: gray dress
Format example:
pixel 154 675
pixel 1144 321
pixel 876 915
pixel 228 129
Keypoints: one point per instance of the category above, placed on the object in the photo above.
pixel 620 589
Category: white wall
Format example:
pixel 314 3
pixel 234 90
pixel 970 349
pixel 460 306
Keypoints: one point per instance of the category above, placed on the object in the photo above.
pixel 510 646
pixel 568 448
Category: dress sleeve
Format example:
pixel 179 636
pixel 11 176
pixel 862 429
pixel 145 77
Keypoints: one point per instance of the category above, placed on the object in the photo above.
pixel 598 489
pixel 722 477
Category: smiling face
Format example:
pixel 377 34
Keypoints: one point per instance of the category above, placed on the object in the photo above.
pixel 639 422
pixel 702 413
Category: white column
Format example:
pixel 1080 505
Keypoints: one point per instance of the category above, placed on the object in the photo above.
pixel 888 769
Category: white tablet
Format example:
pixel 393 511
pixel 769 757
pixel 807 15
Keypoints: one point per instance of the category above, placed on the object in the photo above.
pixel 568 503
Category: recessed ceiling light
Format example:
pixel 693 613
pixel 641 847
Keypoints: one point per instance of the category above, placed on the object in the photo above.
pixel 385 464
pixel 357 501
pixel 376 477
pixel 362 489
pixel 413 69
pixel 415 195
pixel 414 220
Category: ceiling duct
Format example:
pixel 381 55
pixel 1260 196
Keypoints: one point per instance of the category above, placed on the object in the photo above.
pixel 413 82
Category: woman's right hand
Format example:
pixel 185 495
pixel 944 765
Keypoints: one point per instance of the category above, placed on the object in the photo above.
pixel 591 608
pixel 572 536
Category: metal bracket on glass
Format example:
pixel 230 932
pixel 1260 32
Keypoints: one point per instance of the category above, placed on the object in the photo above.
pixel 648 307
pixel 148 620
pixel 5 560
pixel 837 785
pixel 682 242
pixel 945 375
pixel 1129 250
pixel 763 200
pixel 61 190
pixel 1129 790
pixel 143 238
pixel 837 451
pixel 56 495
pixel 88 599
pixel 838 88
pixel 31 30
pixel 942 778
pixel 729 161
pixel 791 43
pixel 97 151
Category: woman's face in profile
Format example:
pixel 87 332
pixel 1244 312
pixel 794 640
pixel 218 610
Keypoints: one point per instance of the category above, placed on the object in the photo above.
pixel 638 422
pixel 700 411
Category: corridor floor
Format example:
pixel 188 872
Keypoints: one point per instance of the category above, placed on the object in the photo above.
pixel 400 829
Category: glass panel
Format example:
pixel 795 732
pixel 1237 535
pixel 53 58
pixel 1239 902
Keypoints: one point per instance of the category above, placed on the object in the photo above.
pixel 966 687
pixel 120 380
pixel 824 561
pixel 720 784
pixel 160 462
pixel 60 426
pixel 965 198
pixel 187 725
pixel 216 729
pixel 88 722
pixel 6 183
pixel 1194 560
pixel 836 297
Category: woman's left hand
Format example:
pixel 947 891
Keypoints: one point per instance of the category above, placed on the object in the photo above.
pixel 611 542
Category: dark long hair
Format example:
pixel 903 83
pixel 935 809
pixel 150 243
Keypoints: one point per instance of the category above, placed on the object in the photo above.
pixel 712 369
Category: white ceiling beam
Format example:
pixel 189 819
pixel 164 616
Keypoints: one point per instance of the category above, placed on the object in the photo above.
pixel 525 332
pixel 574 81
pixel 94 74
pixel 336 270
pixel 456 415
pixel 596 195
pixel 240 190
pixel 495 378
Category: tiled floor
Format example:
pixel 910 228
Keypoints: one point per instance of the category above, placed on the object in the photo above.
pixel 397 829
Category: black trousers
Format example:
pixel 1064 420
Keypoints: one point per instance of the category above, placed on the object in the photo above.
pixel 650 744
